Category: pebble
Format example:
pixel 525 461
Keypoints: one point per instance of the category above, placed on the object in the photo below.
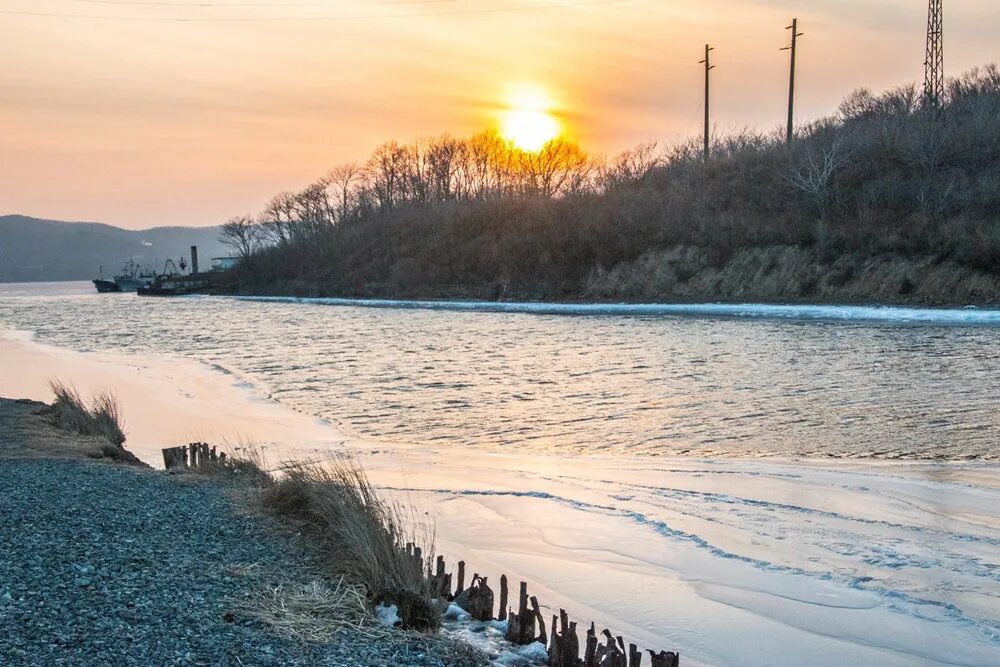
pixel 103 565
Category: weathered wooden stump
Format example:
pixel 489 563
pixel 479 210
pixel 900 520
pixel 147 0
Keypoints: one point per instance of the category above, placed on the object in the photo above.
pixel 521 625
pixel 564 648
pixel 477 599
pixel 460 583
pixel 441 581
pixel 502 611
pixel 175 457
pixel 664 659
pixel 611 654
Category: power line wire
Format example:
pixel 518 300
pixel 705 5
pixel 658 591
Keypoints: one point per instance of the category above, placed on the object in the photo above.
pixel 347 17
pixel 239 5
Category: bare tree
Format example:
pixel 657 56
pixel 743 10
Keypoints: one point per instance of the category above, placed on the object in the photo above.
pixel 386 169
pixel 345 180
pixel 812 173
pixel 242 234
pixel 630 166
pixel 277 218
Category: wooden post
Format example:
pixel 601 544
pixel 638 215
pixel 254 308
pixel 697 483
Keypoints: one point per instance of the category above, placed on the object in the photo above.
pixel 442 581
pixel 193 463
pixel 460 585
pixel 590 656
pixel 664 659
pixel 522 615
pixel 571 644
pixel 542 638
pixel 477 599
pixel 502 612
pixel 790 130
pixel 555 646
pixel 708 70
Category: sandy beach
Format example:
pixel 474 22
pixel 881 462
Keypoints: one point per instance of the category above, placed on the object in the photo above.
pixel 800 559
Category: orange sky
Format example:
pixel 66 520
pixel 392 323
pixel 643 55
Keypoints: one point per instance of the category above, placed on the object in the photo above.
pixel 139 121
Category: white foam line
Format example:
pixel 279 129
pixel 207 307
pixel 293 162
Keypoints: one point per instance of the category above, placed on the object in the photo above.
pixel 882 314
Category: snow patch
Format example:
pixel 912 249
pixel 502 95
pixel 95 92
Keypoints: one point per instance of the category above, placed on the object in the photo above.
pixel 456 613
pixel 387 616
pixel 523 656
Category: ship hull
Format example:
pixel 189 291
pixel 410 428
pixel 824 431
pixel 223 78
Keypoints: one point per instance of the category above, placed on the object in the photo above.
pixel 130 284
pixel 105 286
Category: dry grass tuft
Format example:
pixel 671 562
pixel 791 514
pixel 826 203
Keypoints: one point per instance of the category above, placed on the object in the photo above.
pixel 313 612
pixel 359 535
pixel 244 463
pixel 101 418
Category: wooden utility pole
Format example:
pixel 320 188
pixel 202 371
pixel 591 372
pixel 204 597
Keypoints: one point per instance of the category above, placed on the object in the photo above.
pixel 708 68
pixel 791 79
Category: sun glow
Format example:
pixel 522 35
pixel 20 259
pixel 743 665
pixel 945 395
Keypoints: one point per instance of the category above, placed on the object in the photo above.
pixel 528 122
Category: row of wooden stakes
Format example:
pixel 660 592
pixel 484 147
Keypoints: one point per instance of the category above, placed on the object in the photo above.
pixel 527 625
pixel 196 455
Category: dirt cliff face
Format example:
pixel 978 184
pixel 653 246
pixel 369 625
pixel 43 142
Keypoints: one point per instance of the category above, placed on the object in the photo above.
pixel 793 274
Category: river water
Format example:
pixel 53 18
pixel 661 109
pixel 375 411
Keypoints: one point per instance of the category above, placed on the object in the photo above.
pixel 750 486
pixel 624 384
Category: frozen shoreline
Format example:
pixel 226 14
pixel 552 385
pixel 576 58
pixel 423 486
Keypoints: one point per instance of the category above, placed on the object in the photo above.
pixel 969 316
pixel 792 562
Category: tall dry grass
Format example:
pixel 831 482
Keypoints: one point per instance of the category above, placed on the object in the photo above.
pixel 101 417
pixel 358 534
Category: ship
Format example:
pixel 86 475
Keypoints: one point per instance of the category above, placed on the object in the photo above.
pixel 103 285
pixel 131 278
pixel 175 282
pixel 134 276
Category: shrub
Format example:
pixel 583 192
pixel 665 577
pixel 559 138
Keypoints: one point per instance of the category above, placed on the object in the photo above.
pixel 101 418
pixel 358 534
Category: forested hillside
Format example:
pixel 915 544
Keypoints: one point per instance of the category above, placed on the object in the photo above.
pixel 887 200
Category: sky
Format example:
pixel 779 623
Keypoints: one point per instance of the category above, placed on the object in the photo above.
pixel 115 111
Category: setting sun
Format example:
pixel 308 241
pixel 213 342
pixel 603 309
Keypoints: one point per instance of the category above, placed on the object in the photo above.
pixel 527 122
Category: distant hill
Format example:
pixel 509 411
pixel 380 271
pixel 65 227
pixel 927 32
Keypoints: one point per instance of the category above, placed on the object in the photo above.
pixel 39 250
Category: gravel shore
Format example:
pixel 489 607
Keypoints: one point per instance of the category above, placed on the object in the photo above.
pixel 106 565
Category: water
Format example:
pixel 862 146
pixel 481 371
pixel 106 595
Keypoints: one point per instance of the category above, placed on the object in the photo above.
pixel 493 424
pixel 631 384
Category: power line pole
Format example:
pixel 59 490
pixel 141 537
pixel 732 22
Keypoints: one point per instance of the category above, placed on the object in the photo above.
pixel 791 79
pixel 708 68
pixel 934 60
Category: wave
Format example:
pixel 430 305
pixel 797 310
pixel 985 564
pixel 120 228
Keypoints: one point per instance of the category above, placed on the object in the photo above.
pixel 869 314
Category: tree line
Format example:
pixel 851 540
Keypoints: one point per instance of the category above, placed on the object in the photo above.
pixel 478 216
pixel 483 167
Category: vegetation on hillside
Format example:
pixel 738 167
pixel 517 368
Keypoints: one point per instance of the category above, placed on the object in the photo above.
pixel 886 176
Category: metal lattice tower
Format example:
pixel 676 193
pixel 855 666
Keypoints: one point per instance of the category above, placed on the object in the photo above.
pixel 934 62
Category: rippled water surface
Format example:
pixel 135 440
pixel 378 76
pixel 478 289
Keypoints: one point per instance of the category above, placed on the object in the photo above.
pixel 672 385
